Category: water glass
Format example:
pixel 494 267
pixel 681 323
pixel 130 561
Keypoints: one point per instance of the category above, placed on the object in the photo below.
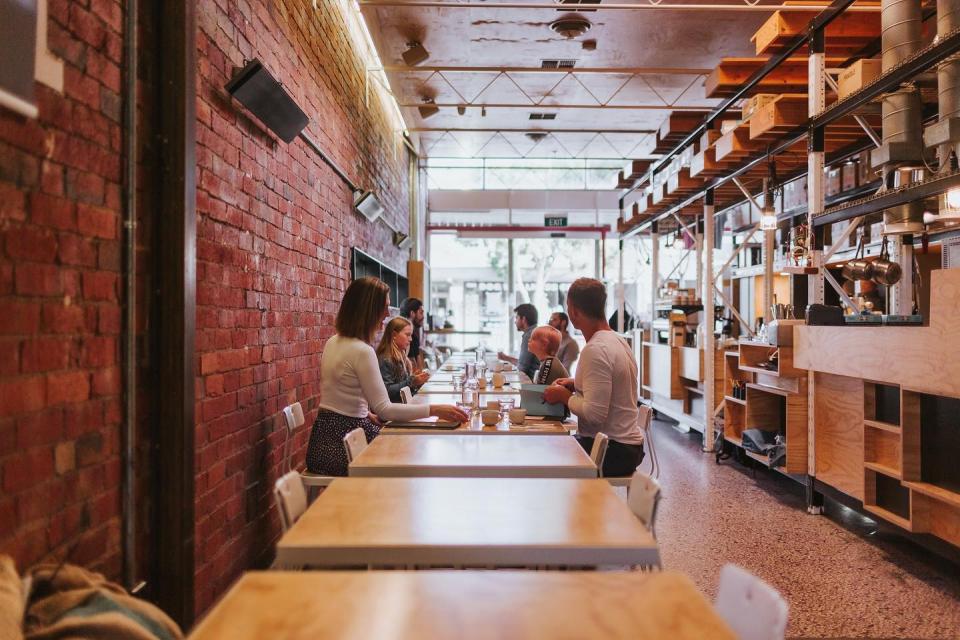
pixel 470 370
pixel 457 382
pixel 505 405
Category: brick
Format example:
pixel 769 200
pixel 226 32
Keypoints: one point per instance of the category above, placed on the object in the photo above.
pixel 99 351
pixel 89 449
pixel 86 26
pixel 18 317
pixel 12 202
pixel 23 394
pixel 108 256
pixel 50 211
pixel 9 357
pixel 37 279
pixel 98 285
pixel 44 354
pixel 109 320
pixel 65 457
pixel 70 386
pixel 106 382
pixel 61 317
pixel 97 221
pixel 31 243
pixel 27 469
pixel 77 250
pixel 8 517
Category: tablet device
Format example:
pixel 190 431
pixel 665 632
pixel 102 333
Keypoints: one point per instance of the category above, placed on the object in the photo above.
pixel 531 399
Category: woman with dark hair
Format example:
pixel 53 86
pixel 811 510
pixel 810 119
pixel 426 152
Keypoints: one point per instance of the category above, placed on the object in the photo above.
pixel 352 393
pixel 395 366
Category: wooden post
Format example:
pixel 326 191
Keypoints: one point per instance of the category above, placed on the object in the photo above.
pixel 707 298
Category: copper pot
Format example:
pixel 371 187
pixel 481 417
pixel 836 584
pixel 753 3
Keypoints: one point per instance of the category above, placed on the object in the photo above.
pixel 885 270
pixel 858 269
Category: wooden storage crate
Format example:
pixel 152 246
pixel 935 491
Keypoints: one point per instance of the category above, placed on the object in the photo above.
pixel 850 31
pixel 778 116
pixel 858 75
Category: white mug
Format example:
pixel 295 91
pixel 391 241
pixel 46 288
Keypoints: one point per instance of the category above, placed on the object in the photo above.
pixel 481 383
pixel 490 417
pixel 517 416
pixel 498 380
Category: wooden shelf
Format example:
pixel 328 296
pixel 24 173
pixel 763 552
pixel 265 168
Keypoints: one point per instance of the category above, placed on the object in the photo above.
pixel 736 400
pixel 882 468
pixel 731 354
pixel 935 492
pixel 765 389
pixel 759 458
pixel 889 516
pixel 693 389
pixel 732 439
pixel 798 271
pixel 885 426
pixel 769 372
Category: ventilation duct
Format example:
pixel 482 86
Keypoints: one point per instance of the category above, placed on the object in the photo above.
pixel 902 145
pixel 945 134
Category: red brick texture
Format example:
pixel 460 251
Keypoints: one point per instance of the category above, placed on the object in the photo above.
pixel 274 231
pixel 60 181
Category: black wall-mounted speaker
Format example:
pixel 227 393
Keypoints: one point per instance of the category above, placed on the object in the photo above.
pixel 260 92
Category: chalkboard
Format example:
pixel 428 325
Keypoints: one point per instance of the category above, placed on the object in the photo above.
pixel 18 34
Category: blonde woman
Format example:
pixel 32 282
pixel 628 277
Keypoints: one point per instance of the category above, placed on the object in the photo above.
pixel 352 393
pixel 395 366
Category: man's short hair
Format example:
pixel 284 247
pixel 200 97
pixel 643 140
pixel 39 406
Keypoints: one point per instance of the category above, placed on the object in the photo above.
pixel 410 305
pixel 551 338
pixel 528 311
pixel 589 297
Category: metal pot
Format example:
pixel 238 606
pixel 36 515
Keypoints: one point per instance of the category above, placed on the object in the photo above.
pixel 886 271
pixel 859 269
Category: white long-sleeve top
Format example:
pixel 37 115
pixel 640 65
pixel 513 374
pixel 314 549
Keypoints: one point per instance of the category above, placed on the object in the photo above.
pixel 351 385
pixel 606 390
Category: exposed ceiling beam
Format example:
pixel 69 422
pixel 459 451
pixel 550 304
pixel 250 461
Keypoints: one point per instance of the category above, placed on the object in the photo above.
pixel 643 71
pixel 526 130
pixel 646 6
pixel 548 107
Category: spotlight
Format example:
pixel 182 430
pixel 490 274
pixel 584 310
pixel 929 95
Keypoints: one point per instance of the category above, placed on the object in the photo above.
pixel 483 112
pixel 415 54
pixel 428 108
pixel 461 109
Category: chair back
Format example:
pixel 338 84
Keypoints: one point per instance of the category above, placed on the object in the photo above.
pixel 291 498
pixel 293 417
pixel 355 442
pixel 406 396
pixel 643 495
pixel 646 417
pixel 750 606
pixel 599 451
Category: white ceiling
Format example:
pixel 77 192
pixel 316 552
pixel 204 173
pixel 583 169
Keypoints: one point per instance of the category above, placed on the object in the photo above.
pixel 468 46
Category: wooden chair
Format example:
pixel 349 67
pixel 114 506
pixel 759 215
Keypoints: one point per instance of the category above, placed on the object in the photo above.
pixel 355 442
pixel 293 415
pixel 752 608
pixel 599 451
pixel 643 496
pixel 646 416
pixel 291 498
pixel 406 396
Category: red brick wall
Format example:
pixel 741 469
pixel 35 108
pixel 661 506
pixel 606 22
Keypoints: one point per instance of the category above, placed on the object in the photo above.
pixel 275 227
pixel 60 315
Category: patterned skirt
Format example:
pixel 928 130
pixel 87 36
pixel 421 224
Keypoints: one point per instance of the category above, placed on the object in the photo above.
pixel 326 453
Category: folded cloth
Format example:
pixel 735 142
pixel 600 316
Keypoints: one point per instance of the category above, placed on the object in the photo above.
pixel 11 600
pixel 71 602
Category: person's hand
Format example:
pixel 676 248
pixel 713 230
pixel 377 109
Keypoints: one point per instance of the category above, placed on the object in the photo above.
pixel 375 419
pixel 449 413
pixel 566 383
pixel 557 394
pixel 420 378
pixel 501 355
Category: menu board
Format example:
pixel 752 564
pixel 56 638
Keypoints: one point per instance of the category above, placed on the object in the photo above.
pixel 18 33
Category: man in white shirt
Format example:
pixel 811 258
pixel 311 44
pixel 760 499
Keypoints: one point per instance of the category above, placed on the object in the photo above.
pixel 603 395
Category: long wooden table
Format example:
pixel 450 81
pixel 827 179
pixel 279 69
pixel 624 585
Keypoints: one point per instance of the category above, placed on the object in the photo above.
pixel 469 605
pixel 463 522
pixel 433 388
pixel 466 456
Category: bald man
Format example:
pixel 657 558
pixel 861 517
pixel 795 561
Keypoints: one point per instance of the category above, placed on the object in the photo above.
pixel 544 343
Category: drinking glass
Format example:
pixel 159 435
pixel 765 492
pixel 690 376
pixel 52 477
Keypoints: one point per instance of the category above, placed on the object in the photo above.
pixel 457 382
pixel 505 405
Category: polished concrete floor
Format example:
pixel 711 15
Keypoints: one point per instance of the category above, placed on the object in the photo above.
pixel 842 575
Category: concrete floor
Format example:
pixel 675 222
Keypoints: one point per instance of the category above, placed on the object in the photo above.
pixel 842 575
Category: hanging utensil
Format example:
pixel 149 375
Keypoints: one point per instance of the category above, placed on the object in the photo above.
pixel 859 268
pixel 886 271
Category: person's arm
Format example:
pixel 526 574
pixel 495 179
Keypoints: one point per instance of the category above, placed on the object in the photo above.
pixel 570 354
pixel 592 403
pixel 506 358
pixel 392 381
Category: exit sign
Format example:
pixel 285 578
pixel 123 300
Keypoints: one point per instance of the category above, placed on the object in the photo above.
pixel 555 221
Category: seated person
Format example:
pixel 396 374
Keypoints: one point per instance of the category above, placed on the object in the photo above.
pixel 544 343
pixel 603 395
pixel 394 364
pixel 525 320
pixel 569 349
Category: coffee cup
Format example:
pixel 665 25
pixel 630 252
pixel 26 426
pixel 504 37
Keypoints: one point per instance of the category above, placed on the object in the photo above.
pixel 498 380
pixel 493 404
pixel 490 417
pixel 481 383
pixel 517 416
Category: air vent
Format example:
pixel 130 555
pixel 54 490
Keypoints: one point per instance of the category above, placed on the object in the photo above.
pixel 543 116
pixel 554 63
pixel 580 4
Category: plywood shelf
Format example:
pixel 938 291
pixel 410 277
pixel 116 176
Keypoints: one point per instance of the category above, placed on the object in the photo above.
pixel 889 516
pixel 765 389
pixel 882 468
pixel 935 492
pixel 884 426
pixel 736 400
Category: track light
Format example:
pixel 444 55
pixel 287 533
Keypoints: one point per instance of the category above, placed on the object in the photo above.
pixel 428 108
pixel 415 54
pixel 483 112
pixel 461 109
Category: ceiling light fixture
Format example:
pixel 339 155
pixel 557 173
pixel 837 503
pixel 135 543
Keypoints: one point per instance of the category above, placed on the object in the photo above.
pixel 483 112
pixel 461 109
pixel 415 54
pixel 428 108
pixel 571 26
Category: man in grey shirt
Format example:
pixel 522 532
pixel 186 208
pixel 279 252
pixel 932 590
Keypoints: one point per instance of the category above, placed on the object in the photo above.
pixel 569 350
pixel 525 320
